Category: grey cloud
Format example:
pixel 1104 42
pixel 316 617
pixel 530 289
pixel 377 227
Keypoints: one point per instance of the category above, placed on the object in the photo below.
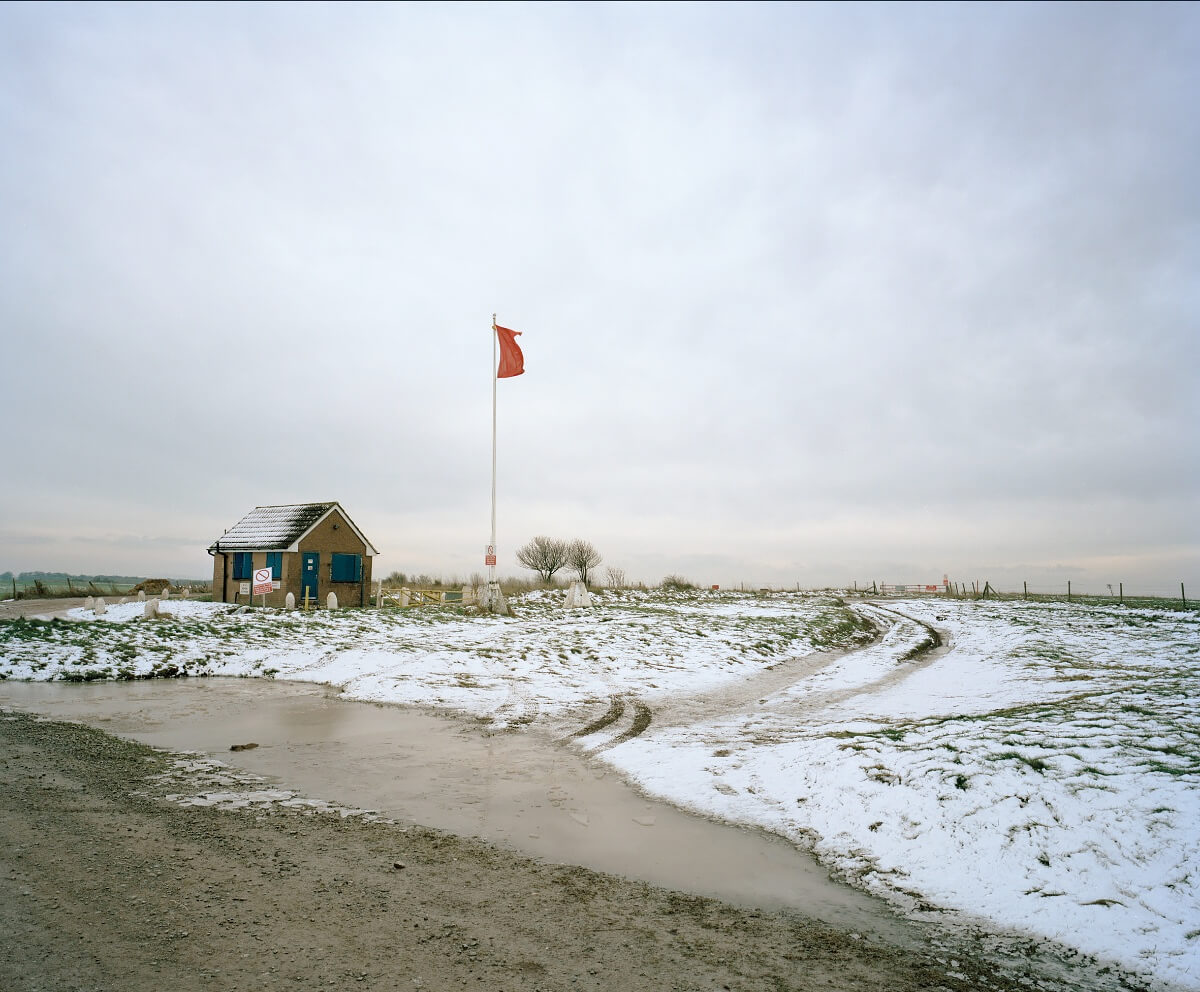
pixel 777 266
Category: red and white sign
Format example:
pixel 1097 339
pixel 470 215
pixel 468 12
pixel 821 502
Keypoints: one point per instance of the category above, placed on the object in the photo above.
pixel 262 581
pixel 489 556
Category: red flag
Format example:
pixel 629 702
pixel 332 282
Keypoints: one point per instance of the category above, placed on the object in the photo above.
pixel 512 362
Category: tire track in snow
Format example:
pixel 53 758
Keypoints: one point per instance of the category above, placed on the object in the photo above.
pixel 787 718
pixel 616 709
pixel 642 717
pixel 920 656
pixel 752 692
pixel 932 642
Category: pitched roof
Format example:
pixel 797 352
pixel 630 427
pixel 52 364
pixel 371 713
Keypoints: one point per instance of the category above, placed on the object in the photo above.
pixel 272 528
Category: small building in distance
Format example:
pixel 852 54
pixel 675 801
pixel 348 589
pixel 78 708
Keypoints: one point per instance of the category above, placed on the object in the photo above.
pixel 312 548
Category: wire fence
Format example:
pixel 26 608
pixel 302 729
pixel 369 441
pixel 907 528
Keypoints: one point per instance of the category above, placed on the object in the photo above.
pixel 1069 591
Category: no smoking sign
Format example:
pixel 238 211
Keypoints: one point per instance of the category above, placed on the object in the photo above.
pixel 262 581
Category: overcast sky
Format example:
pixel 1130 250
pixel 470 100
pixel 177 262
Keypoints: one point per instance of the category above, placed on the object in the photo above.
pixel 808 293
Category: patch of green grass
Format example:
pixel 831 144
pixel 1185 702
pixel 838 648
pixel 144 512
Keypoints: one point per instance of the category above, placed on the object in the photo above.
pixel 87 675
pixel 1037 764
pixel 1173 770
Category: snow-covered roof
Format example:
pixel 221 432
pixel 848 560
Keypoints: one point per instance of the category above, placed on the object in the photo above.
pixel 278 528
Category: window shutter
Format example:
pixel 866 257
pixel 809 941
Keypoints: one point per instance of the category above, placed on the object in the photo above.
pixel 243 564
pixel 346 568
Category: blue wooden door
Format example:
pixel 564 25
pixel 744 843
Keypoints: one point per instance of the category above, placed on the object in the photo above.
pixel 308 577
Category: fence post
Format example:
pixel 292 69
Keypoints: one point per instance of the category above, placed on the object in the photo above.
pixel 874 590
pixel 1025 595
pixel 1121 585
pixel 1068 590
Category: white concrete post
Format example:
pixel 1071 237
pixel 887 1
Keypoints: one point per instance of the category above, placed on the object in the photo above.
pixel 578 595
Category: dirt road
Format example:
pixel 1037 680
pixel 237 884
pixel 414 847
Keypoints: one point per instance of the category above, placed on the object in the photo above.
pixel 11 608
pixel 106 885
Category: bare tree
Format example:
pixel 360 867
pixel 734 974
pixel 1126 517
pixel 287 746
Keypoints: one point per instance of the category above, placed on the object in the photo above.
pixel 582 557
pixel 616 577
pixel 544 555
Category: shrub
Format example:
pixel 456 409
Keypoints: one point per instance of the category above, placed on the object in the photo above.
pixel 676 583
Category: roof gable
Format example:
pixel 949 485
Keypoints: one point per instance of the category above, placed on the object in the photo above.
pixel 370 548
pixel 272 528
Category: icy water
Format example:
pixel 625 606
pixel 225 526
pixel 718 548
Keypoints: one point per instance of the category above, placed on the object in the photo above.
pixel 516 790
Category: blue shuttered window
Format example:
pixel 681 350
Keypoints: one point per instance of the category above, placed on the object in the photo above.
pixel 275 563
pixel 347 568
pixel 243 565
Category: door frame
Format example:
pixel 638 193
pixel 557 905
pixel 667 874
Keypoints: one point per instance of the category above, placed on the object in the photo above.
pixel 315 584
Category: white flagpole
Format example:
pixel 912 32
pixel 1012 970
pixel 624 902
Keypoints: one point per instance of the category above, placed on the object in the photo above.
pixel 493 599
pixel 495 370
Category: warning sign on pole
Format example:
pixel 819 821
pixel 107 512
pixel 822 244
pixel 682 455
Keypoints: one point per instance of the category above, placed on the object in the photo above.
pixel 262 581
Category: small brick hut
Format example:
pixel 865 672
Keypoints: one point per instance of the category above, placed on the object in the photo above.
pixel 309 547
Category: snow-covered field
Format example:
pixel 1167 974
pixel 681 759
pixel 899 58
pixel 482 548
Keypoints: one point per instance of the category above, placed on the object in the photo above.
pixel 1042 771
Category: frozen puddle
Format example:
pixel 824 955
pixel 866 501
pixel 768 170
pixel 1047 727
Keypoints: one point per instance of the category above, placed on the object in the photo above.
pixel 515 790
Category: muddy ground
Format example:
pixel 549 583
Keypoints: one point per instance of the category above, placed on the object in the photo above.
pixel 105 885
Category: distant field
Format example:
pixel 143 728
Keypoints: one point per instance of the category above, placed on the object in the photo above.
pixel 60 585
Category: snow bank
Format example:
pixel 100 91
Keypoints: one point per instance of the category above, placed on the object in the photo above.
pixel 1042 773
